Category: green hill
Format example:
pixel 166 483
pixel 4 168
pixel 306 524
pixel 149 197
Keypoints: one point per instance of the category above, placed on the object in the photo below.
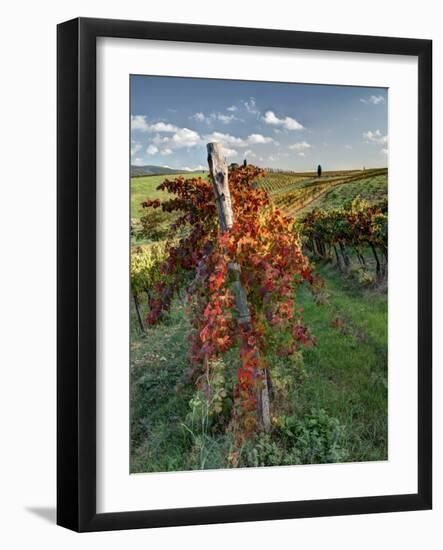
pixel 152 170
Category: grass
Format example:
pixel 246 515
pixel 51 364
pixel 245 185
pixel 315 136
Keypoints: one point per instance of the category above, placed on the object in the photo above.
pixel 348 367
pixel 346 376
pixel 158 360
pixel 146 186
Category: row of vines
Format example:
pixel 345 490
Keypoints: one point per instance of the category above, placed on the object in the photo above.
pixel 294 199
pixel 358 227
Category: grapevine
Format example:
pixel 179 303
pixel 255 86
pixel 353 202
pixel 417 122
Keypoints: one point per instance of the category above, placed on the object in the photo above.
pixel 358 224
pixel 264 243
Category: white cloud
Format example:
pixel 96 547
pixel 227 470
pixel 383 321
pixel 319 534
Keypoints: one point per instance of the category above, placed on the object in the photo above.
pixel 348 147
pixel 159 140
pixel 300 146
pixel 375 137
pixel 258 138
pixel 169 137
pixel 226 119
pixel 301 154
pixel 251 106
pixel 162 127
pixel 229 152
pixel 199 167
pixel 225 139
pixel 213 117
pixel 229 140
pixel 384 152
pixel 183 137
pixel 140 122
pixel 232 108
pixel 200 117
pixel 286 122
pixel 138 162
pixel 374 99
pixel 135 147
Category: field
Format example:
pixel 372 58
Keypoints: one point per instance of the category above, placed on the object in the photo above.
pixel 146 186
pixel 336 391
pixel 297 193
pixel 373 189
pixel 143 187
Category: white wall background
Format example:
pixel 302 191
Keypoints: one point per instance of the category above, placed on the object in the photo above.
pixel 27 273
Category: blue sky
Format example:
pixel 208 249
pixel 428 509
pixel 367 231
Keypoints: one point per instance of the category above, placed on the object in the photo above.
pixel 275 125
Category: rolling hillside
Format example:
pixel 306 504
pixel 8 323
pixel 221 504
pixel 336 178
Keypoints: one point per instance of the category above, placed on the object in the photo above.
pixel 297 193
pixel 152 170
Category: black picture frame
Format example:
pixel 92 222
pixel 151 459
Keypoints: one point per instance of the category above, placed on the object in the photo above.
pixel 76 281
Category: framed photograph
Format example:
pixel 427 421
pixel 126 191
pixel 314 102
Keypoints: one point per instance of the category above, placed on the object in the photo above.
pixel 244 274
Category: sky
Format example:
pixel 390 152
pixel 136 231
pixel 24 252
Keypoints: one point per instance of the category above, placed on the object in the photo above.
pixel 273 125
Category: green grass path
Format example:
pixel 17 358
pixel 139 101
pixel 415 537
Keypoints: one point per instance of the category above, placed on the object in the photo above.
pixel 347 370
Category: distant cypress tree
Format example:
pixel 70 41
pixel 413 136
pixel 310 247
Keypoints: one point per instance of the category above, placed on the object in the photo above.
pixel 245 163
pixel 319 171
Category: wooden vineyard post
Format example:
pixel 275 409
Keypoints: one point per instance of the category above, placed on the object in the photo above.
pixel 219 175
pixel 137 309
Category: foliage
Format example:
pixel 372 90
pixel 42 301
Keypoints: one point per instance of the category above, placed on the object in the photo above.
pixel 145 267
pixel 312 439
pixel 317 438
pixel 153 226
pixel 357 224
pixel 264 244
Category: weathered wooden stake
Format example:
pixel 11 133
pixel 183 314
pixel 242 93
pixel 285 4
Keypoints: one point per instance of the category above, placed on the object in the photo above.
pixel 137 309
pixel 345 256
pixel 219 175
pixel 337 258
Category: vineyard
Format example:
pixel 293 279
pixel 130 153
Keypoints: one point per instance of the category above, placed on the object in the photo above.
pixel 266 343
pixel 293 193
